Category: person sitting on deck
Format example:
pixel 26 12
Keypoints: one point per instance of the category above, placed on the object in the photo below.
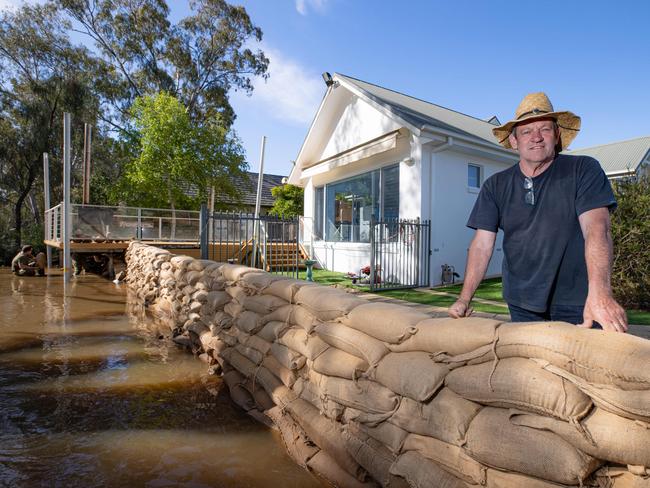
pixel 26 264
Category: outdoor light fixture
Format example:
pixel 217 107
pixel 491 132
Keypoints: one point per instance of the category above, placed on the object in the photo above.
pixel 327 78
pixel 408 161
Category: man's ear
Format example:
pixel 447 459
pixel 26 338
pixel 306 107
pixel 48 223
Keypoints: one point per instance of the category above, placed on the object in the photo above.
pixel 513 140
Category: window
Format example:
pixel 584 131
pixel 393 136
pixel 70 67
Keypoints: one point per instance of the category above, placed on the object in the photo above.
pixel 474 176
pixel 343 210
pixel 319 212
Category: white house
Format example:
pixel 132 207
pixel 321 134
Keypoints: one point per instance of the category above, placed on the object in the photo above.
pixel 374 151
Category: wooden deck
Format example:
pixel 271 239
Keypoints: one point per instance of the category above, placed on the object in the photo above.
pixel 118 246
pixel 280 256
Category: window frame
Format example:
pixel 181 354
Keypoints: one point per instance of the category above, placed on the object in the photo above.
pixel 380 203
pixel 471 188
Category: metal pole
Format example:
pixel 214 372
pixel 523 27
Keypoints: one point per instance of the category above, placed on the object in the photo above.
pixel 67 217
pixel 84 180
pixel 203 231
pixel 258 202
pixel 138 229
pixel 46 196
pixel 373 256
pixel 211 221
pixel 89 162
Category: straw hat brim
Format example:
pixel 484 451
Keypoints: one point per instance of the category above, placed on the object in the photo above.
pixel 568 123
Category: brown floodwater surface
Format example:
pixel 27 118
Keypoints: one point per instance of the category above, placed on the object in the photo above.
pixel 93 393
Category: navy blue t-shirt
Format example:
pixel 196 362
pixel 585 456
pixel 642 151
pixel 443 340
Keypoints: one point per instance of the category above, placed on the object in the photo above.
pixel 544 249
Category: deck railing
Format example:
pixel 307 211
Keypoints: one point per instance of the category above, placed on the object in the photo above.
pixel 97 222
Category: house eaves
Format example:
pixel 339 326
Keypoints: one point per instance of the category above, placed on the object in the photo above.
pixel 417 114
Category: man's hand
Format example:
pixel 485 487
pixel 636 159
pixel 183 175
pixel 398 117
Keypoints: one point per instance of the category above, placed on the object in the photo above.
pixel 606 311
pixel 460 309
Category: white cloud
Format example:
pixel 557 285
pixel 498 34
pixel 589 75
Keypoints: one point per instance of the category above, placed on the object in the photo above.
pixel 9 4
pixel 292 93
pixel 303 6
pixel 14 4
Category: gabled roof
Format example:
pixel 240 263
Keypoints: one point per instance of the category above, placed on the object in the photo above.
pixel 618 157
pixel 420 113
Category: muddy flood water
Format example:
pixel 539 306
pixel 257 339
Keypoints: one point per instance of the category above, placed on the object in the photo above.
pixel 93 395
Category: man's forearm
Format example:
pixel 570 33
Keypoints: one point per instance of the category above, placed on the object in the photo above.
pixel 478 259
pixel 598 256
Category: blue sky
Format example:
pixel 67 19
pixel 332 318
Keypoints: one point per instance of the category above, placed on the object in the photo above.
pixel 477 57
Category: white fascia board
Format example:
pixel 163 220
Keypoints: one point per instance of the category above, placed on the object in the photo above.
pixel 363 151
pixel 621 174
pixel 295 176
pixel 378 106
pixel 473 143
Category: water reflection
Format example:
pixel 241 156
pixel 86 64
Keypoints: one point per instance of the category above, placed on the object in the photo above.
pixel 93 393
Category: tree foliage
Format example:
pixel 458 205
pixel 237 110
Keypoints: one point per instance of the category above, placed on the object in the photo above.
pixel 179 160
pixel 288 201
pixel 41 76
pixel 136 51
pixel 631 236
pixel 198 60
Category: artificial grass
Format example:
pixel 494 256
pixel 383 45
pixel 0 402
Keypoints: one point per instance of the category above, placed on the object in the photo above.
pixel 325 277
pixel 489 289
pixel 439 300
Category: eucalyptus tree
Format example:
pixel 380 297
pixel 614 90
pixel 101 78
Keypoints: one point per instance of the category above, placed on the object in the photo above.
pixel 199 60
pixel 41 75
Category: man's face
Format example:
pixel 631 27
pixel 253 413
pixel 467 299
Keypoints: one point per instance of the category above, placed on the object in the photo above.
pixel 535 141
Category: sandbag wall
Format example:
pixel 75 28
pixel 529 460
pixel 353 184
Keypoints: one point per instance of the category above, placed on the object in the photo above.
pixel 373 394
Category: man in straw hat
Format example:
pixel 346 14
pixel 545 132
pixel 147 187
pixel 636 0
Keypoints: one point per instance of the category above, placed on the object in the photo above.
pixel 554 213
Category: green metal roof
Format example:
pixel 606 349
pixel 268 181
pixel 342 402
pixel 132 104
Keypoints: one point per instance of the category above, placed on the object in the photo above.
pixel 618 157
pixel 420 113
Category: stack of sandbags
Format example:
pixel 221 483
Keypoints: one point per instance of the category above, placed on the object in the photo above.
pixel 585 393
pixel 146 263
pixel 375 393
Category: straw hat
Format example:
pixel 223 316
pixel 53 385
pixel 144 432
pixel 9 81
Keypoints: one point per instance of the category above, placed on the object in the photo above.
pixel 538 106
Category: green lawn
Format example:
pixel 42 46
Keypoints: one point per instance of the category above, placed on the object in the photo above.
pixel 325 277
pixel 489 289
pixel 439 300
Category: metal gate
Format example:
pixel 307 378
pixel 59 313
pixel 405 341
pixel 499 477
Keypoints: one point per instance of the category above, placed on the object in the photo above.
pixel 399 253
pixel 264 242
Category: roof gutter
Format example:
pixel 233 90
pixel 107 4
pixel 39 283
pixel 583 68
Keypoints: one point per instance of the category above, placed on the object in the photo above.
pixel 469 140
pixel 446 145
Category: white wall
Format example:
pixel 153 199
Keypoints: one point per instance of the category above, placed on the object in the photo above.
pixel 358 124
pixel 451 202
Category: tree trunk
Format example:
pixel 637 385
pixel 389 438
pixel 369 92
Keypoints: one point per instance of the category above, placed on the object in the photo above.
pixel 18 208
pixel 33 206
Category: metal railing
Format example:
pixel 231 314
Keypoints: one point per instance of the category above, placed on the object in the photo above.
pixel 399 254
pixel 264 242
pixel 54 223
pixel 97 222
